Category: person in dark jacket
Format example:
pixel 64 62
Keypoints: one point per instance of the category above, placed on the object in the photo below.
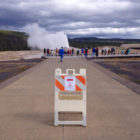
pixel 45 51
pixel 86 52
pixel 77 52
pixel 48 52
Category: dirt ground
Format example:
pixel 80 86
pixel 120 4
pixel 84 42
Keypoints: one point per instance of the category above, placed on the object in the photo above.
pixel 17 55
pixel 11 68
pixel 127 69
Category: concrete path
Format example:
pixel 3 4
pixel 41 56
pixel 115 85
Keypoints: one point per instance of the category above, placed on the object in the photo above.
pixel 27 107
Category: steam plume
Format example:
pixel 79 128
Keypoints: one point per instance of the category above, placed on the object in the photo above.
pixel 40 38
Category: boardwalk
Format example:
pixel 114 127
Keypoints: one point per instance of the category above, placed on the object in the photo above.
pixel 27 106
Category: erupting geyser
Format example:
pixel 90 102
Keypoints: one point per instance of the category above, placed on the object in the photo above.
pixel 40 38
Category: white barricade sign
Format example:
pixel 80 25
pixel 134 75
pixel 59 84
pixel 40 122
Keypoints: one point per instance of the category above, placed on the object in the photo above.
pixel 70 95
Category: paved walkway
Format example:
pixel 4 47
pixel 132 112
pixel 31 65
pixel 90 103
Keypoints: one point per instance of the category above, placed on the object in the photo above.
pixel 27 107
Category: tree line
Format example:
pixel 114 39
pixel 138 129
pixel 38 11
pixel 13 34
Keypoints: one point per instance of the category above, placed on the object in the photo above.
pixel 13 41
pixel 91 42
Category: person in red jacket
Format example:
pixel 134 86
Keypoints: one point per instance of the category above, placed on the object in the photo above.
pixel 97 52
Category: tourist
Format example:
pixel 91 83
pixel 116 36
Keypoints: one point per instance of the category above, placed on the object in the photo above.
pixel 127 51
pixel 109 51
pixel 82 51
pixel 93 51
pixel 65 52
pixel 86 52
pixel 61 53
pixel 72 51
pixel 77 52
pixel 48 52
pixel 68 52
pixel 114 51
pixel 102 51
pixel 105 52
pixel 51 52
pixel 56 52
pixel 44 51
pixel 122 51
pixel 97 52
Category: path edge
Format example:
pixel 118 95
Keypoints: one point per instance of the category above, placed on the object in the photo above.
pixel 130 85
pixel 9 81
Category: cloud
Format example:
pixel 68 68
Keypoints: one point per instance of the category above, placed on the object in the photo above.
pixel 75 17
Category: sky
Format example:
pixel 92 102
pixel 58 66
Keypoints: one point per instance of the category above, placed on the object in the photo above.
pixel 77 18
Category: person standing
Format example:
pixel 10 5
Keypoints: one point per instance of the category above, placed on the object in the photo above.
pixel 77 52
pixel 68 52
pixel 114 51
pixel 82 51
pixel 45 51
pixel 97 52
pixel 93 51
pixel 109 51
pixel 48 52
pixel 61 53
pixel 102 51
pixel 127 51
pixel 105 52
pixel 56 51
pixel 122 51
pixel 72 51
pixel 86 52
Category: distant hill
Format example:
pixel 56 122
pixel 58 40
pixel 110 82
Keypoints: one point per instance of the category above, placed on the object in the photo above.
pixel 94 42
pixel 13 41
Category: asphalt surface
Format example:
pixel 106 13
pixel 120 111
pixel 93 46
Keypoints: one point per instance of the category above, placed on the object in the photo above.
pixel 27 106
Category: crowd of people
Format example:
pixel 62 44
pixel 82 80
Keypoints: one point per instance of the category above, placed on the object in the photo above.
pixel 95 51
pixel 58 52
pixel 127 51
pixel 83 52
pixel 68 52
pixel 111 51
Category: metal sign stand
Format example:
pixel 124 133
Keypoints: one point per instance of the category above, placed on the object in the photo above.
pixel 70 95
